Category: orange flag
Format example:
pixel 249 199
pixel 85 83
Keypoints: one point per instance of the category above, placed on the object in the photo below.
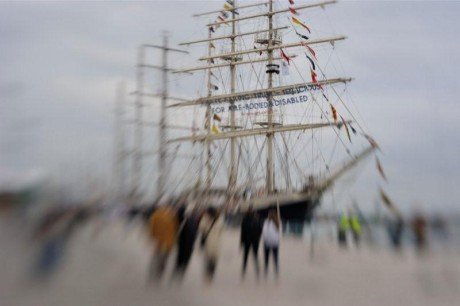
pixel 217 117
pixel 312 52
pixel 334 113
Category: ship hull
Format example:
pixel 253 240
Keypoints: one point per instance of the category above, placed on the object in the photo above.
pixel 293 211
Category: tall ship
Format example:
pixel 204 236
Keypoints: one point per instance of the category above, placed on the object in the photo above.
pixel 274 125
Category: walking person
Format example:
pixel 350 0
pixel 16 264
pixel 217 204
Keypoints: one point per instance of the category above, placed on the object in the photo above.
pixel 163 230
pixel 343 227
pixel 211 227
pixel 251 230
pixel 186 240
pixel 271 237
pixel 419 225
pixel 356 230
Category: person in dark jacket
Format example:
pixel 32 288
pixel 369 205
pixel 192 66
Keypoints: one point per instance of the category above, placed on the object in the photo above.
pixel 186 240
pixel 251 230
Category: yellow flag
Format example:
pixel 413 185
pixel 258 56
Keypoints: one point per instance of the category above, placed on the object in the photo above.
pixel 214 129
pixel 300 23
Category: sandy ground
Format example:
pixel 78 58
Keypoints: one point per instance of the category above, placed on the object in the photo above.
pixel 107 265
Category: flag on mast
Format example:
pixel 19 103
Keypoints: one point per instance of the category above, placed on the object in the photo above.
pixel 301 35
pixel 300 23
pixel 285 57
pixel 313 76
pixel 346 128
pixel 217 117
pixel 334 113
pixel 311 62
pixel 293 11
pixel 312 52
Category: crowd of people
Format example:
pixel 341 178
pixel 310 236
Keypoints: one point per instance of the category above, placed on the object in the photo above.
pixel 181 228
pixel 172 227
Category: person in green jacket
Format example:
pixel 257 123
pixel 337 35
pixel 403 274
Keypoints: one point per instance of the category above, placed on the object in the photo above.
pixel 356 230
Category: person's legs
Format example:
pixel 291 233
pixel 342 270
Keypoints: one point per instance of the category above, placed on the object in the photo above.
pixel 246 249
pixel 255 249
pixel 266 253
pixel 210 268
pixel 180 261
pixel 188 252
pixel 275 259
pixel 158 264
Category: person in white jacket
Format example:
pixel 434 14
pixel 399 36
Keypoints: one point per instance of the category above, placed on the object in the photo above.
pixel 211 228
pixel 271 237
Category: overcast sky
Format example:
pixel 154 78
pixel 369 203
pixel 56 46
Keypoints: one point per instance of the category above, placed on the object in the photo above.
pixel 61 61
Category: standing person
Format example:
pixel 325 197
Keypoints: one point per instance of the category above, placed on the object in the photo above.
pixel 355 225
pixel 186 240
pixel 271 237
pixel 419 225
pixel 395 230
pixel 251 230
pixel 163 230
pixel 211 227
pixel 344 226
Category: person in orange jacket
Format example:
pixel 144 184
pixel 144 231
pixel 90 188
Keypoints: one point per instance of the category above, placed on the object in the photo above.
pixel 163 225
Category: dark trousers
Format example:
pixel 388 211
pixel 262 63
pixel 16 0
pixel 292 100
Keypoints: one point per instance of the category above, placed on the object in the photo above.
pixel 274 251
pixel 210 268
pixel 247 247
pixel 184 254
pixel 342 235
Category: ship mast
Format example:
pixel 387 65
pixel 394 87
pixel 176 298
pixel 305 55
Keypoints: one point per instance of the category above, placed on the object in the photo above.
pixel 208 120
pixel 232 176
pixel 269 178
pixel 164 97
pixel 234 58
pixel 138 129
pixel 120 153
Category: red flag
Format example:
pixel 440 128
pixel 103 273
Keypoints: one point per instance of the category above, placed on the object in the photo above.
pixel 380 169
pixel 312 52
pixel 334 113
pixel 313 76
pixel 293 11
pixel 285 57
